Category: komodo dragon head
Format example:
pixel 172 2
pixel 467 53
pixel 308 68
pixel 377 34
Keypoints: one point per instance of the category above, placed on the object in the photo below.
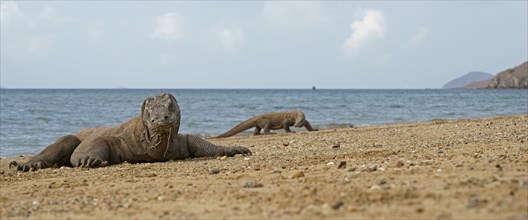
pixel 160 116
pixel 300 120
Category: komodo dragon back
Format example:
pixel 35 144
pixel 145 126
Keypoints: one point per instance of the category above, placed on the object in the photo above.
pixel 242 126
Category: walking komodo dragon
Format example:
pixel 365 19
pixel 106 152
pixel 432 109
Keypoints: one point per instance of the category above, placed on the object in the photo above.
pixel 271 121
pixel 150 137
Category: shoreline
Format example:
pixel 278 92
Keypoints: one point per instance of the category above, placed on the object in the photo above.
pixel 434 169
pixel 249 132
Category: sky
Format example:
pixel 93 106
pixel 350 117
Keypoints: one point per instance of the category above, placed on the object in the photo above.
pixel 257 44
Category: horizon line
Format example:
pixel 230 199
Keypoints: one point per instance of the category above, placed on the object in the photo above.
pixel 126 88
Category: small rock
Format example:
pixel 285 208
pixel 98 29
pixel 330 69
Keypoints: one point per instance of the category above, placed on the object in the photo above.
pixel 297 174
pixel 336 205
pixel 223 158
pixel 377 145
pixel 473 202
pixel 330 164
pixel 351 169
pixel 277 170
pixel 400 164
pixel 285 144
pixel 352 208
pixel 375 187
pixel 151 175
pixel 427 162
pixel 214 170
pixel 371 167
pixel 311 210
pixel 337 145
pixel 498 166
pixel 251 184
pixel 342 164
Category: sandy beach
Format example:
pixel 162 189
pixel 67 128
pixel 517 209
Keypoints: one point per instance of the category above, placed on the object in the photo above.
pixel 462 169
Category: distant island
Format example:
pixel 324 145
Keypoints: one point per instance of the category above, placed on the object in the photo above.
pixel 513 78
pixel 472 79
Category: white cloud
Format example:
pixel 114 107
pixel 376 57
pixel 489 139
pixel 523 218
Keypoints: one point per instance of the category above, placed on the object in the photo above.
pixel 229 36
pixel 8 10
pixel 418 37
pixel 168 27
pixel 372 25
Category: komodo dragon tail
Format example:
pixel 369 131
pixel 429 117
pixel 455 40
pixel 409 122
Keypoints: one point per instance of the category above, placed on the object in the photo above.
pixel 242 126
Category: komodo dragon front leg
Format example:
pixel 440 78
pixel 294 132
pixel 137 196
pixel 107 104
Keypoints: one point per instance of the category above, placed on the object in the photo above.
pixel 57 153
pixel 309 127
pixel 286 124
pixel 199 147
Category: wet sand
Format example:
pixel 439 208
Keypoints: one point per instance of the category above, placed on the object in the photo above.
pixel 470 169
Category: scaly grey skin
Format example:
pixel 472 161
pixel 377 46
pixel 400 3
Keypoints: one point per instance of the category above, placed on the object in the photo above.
pixel 150 137
pixel 271 121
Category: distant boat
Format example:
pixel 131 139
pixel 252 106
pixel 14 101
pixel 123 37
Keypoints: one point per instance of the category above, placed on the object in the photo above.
pixel 313 88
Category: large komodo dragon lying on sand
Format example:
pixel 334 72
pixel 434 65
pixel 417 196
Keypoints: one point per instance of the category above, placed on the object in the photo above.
pixel 271 121
pixel 150 137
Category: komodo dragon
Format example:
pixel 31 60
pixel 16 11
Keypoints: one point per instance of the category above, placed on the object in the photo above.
pixel 151 136
pixel 271 121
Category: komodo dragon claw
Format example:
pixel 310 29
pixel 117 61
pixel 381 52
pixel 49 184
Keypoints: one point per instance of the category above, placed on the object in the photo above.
pixel 26 167
pixel 232 151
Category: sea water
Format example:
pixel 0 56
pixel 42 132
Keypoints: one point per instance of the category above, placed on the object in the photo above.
pixel 31 119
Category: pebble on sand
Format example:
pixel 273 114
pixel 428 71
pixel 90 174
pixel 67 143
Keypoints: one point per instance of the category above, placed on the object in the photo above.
pixel 277 170
pixel 336 205
pixel 252 184
pixel 297 174
pixel 341 165
pixel 371 167
pixel 214 170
